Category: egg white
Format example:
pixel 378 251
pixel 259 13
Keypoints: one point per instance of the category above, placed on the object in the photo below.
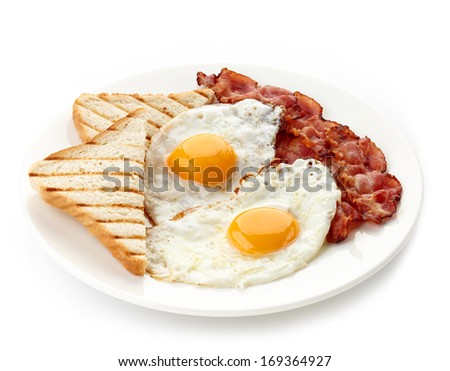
pixel 194 249
pixel 249 127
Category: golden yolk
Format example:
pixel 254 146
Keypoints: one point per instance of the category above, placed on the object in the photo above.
pixel 205 158
pixel 262 230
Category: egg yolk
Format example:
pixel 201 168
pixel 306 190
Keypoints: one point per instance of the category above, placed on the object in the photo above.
pixel 262 230
pixel 207 159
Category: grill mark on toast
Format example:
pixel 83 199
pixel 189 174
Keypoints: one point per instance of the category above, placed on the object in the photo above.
pixel 94 143
pixel 183 104
pixel 153 124
pixel 53 189
pixel 155 107
pixel 97 113
pixel 111 205
pixel 135 114
pixel 138 98
pixel 90 158
pixel 129 253
pixel 86 173
pixel 84 123
pixel 103 95
pixel 137 237
pixel 126 221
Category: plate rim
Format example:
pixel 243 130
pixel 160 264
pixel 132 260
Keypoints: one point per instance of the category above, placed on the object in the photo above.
pixel 119 294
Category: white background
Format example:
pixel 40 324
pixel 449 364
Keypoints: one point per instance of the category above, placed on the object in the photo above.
pixel 394 55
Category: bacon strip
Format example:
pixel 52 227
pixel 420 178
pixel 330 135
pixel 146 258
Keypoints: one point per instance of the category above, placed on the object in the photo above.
pixel 369 193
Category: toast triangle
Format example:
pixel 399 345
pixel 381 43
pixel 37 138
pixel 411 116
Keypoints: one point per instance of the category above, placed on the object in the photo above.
pixel 100 183
pixel 93 113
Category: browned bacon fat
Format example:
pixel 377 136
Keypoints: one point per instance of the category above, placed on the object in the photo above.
pixel 369 193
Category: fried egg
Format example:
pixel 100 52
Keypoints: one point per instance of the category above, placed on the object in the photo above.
pixel 272 227
pixel 199 157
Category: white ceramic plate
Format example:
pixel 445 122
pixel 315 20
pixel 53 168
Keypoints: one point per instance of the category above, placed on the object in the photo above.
pixel 335 269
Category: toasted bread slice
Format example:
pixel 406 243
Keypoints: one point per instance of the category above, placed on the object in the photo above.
pixel 100 183
pixel 94 113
